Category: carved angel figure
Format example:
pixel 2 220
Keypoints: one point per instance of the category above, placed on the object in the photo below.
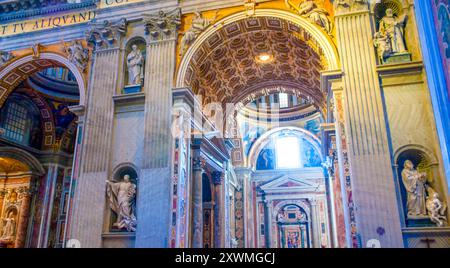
pixel 382 45
pixel 436 208
pixel 317 15
pixel 199 24
pixel 77 54
pixel 121 197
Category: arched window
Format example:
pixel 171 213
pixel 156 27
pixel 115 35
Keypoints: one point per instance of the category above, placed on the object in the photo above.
pixel 288 151
pixel 20 121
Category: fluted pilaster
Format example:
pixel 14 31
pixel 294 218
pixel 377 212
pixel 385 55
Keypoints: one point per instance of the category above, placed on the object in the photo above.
pixel 160 68
pixel 367 159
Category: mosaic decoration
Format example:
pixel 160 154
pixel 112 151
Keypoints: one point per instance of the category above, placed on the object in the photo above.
pixel 180 184
pixel 441 10
pixel 310 157
pixel 355 237
pixel 336 181
pixel 239 216
pixel 10 81
pixel 176 158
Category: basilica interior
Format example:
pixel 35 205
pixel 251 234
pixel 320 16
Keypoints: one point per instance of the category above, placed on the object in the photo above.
pixel 224 124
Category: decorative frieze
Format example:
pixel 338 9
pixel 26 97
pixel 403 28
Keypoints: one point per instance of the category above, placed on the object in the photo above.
pixel 106 34
pixel 351 5
pixel 163 25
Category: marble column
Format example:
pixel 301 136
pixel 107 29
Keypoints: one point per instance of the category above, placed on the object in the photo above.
pixel 79 111
pixel 86 223
pixel 268 222
pixel 155 183
pixel 47 204
pixel 219 207
pixel 22 223
pixel 315 224
pixel 2 199
pixel 368 164
pixel 244 176
pixel 197 201
pixel 180 233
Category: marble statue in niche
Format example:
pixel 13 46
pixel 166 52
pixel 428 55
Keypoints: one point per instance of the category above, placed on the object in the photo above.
pixel 390 39
pixel 436 208
pixel 199 24
pixel 8 228
pixel 135 63
pixel 121 197
pixel 415 185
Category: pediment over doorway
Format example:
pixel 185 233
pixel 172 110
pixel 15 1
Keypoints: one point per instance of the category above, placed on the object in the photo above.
pixel 289 183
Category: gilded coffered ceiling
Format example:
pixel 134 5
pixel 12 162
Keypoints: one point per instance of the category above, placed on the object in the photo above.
pixel 225 68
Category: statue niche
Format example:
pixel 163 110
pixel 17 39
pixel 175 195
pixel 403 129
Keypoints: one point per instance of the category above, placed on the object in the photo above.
pixel 422 201
pixel 8 226
pixel 122 201
pixel 389 40
pixel 135 62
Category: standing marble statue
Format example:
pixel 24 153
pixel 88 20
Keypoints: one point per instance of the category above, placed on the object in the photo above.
pixel 393 29
pixel 135 63
pixel 414 183
pixel 121 197
pixel 8 229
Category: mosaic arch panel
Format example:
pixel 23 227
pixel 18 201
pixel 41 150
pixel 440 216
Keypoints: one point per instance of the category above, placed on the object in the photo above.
pixel 12 74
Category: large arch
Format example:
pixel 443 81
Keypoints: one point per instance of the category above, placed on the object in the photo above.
pixel 24 157
pixel 264 139
pixel 19 69
pixel 322 39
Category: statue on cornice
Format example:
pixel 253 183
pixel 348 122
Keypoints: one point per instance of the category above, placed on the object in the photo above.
pixel 415 183
pixel 393 29
pixel 77 54
pixel 5 57
pixel 135 63
pixel 313 13
pixel 121 197
pixel 389 40
pixel 199 24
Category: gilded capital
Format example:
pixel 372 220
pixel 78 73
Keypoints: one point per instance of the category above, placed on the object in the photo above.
pixel 163 25
pixel 106 34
